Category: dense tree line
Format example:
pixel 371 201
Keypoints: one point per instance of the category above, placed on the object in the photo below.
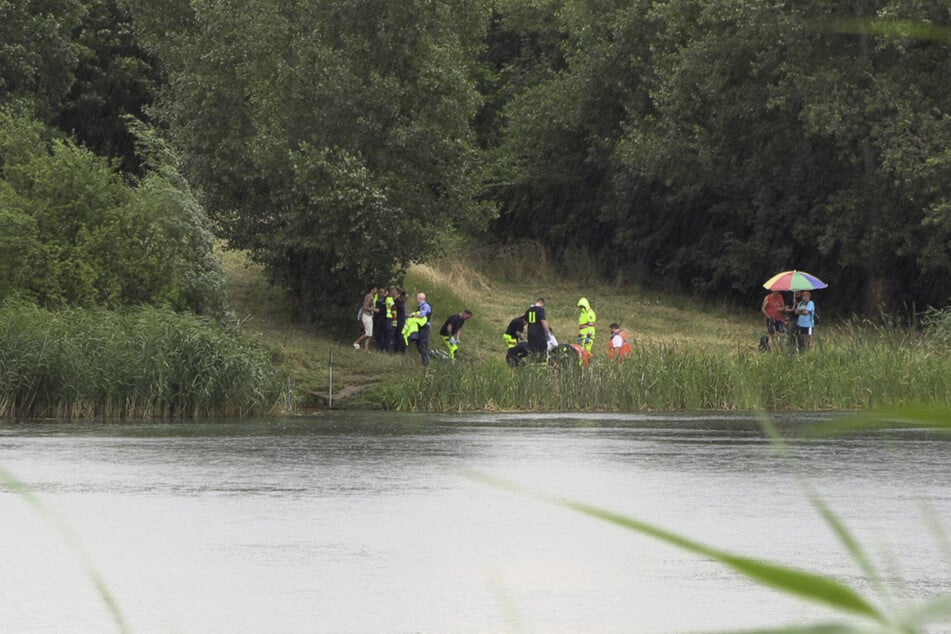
pixel 690 145
pixel 699 145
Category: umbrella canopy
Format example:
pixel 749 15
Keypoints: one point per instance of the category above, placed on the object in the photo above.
pixel 794 281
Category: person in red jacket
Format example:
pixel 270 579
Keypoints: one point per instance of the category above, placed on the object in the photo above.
pixel 774 309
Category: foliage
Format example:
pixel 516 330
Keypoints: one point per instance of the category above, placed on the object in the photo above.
pixel 140 363
pixel 704 145
pixel 77 66
pixel 115 79
pixel 938 324
pixel 336 150
pixel 75 233
pixel 38 53
pixel 689 146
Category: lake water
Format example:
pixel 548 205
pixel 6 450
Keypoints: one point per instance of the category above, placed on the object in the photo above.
pixel 369 522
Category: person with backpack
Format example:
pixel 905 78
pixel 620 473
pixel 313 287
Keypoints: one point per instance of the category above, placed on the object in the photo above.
pixel 805 312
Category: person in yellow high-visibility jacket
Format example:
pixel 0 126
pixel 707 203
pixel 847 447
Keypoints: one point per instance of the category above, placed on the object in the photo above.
pixel 389 324
pixel 586 324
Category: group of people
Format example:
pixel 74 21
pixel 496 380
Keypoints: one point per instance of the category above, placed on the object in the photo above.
pixel 799 316
pixel 529 336
pixel 390 328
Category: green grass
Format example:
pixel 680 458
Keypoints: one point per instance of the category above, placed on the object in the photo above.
pixel 688 355
pixel 679 377
pixel 143 363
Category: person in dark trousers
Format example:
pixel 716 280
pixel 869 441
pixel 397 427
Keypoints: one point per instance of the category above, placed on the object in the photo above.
pixel 538 330
pixel 451 328
pixel 379 318
pixel 805 311
pixel 422 336
pixel 389 306
pixel 399 344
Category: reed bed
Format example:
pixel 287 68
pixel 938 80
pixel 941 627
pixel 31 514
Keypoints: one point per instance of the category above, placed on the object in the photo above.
pixel 143 363
pixel 859 370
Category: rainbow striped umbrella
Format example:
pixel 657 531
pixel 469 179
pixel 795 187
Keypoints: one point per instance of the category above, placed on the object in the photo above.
pixel 794 281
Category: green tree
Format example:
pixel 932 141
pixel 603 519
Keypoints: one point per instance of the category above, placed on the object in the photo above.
pixel 113 78
pixel 78 67
pixel 332 139
pixel 38 53
pixel 704 145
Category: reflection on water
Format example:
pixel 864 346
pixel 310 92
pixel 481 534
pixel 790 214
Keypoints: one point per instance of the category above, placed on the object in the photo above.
pixel 372 523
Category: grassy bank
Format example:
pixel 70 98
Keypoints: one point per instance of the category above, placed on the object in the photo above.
pixel 145 363
pixel 687 355
pixel 677 377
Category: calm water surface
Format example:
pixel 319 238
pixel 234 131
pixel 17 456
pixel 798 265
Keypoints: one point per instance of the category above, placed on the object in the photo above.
pixel 367 522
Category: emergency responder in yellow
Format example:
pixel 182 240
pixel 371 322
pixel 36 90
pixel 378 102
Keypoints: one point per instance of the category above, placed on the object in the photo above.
pixel 389 325
pixel 586 323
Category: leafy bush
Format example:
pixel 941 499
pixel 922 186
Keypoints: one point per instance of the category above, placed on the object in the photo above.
pixel 73 232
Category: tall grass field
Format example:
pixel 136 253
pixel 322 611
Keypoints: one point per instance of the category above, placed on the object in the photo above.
pixel 861 368
pixel 143 363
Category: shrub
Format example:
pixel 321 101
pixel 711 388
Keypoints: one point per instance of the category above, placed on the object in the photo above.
pixel 75 233
pixel 141 363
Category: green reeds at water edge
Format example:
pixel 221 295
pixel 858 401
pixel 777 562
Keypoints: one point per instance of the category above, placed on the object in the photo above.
pixel 143 363
pixel 858 374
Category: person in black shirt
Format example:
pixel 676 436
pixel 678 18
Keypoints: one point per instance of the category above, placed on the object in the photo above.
pixel 538 329
pixel 450 331
pixel 399 344
pixel 515 331
pixel 516 349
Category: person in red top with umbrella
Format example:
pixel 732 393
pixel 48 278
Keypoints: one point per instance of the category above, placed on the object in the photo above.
pixel 775 309
pixel 798 281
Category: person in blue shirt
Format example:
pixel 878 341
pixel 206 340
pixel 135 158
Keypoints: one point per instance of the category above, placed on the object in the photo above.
pixel 805 311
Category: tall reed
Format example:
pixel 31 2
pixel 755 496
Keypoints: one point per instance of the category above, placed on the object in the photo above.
pixel 860 369
pixel 142 363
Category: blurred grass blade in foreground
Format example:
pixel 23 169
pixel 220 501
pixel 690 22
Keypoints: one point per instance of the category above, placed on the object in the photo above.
pixel 806 585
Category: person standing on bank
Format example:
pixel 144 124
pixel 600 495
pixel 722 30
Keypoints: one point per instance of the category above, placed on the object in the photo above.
pixel 805 320
pixel 538 330
pixel 389 324
pixel 586 323
pixel 425 311
pixel 399 344
pixel 366 318
pixel 619 347
pixel 774 310
pixel 379 318
pixel 451 328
